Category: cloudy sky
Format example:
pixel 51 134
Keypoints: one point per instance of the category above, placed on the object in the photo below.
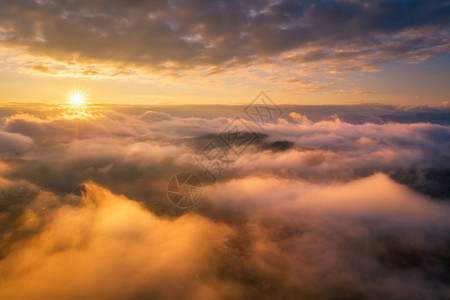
pixel 224 149
pixel 178 51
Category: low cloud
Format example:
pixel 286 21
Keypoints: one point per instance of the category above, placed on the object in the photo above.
pixel 112 247
pixel 333 241
pixel 256 237
pixel 345 211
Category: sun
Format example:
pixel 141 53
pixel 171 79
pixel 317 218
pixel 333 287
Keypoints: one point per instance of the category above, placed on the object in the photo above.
pixel 77 99
pixel 77 105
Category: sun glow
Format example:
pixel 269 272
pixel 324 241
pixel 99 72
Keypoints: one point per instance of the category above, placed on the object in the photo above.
pixel 77 99
pixel 77 105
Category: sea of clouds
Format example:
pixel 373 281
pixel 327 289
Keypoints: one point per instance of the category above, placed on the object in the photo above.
pixel 342 210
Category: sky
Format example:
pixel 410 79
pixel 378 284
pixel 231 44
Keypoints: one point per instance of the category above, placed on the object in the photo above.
pixel 225 52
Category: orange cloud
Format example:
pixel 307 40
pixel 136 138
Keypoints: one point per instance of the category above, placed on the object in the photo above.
pixel 111 247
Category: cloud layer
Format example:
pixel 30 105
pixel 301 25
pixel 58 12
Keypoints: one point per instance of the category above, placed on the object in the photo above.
pixel 356 211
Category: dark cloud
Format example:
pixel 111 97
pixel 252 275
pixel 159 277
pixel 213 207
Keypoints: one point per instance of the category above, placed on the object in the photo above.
pixel 175 35
pixel 10 142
